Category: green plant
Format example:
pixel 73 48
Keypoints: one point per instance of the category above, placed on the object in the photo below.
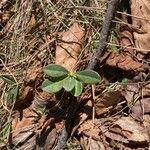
pixel 60 77
pixel 125 82
pixel 8 99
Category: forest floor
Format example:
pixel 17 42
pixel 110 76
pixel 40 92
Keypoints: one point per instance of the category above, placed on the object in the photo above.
pixel 113 114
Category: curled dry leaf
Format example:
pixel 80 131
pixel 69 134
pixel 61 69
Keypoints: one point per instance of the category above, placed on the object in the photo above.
pixel 107 101
pixel 70 46
pixel 125 62
pixel 23 129
pixel 127 131
pixel 125 59
pixel 87 128
pixel 32 77
pixel 29 130
pixel 50 140
pixel 138 100
pixel 141 107
pixel 141 9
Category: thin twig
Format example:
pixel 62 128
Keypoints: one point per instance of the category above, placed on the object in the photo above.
pixel 104 33
pixel 93 116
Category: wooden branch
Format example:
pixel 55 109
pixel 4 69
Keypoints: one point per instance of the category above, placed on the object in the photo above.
pixel 112 5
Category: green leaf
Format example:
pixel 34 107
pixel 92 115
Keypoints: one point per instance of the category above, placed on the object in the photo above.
pixel 5 131
pixel 8 79
pixel 56 79
pixel 88 76
pixel 69 83
pixel 125 82
pixel 77 90
pixel 55 70
pixel 12 94
pixel 46 83
pixel 52 87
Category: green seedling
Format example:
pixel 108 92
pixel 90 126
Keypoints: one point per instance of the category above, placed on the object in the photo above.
pixel 125 82
pixel 61 78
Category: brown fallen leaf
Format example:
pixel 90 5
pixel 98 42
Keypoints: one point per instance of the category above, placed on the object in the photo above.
pixel 138 101
pixel 140 108
pixel 141 9
pixel 107 101
pixel 50 140
pixel 28 130
pixel 86 127
pixel 23 128
pixel 126 58
pixel 70 46
pixel 127 131
pixel 33 76
pixel 124 61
